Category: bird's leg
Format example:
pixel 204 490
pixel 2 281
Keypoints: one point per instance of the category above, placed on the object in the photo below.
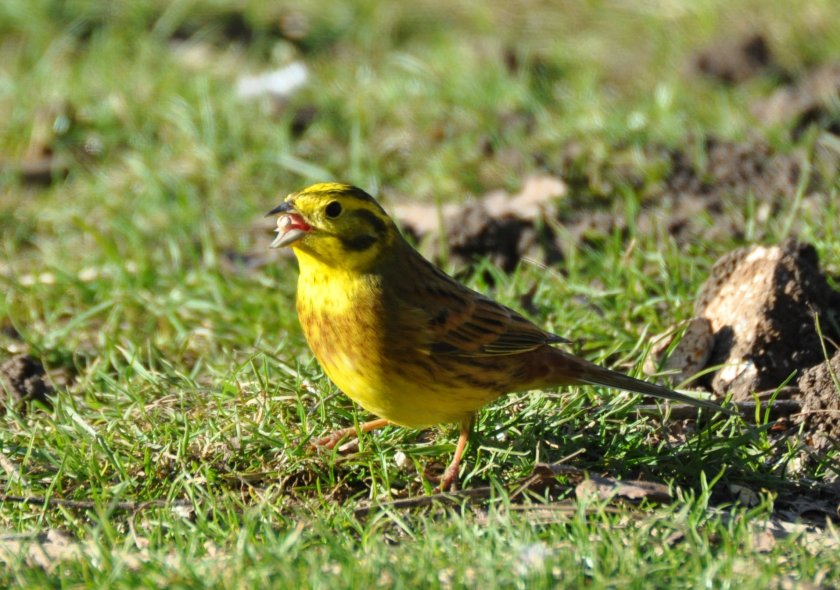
pixel 450 476
pixel 329 441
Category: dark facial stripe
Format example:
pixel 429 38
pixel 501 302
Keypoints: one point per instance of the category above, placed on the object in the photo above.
pixel 358 243
pixel 375 222
pixel 362 242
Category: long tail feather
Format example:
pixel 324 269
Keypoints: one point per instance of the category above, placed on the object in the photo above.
pixel 593 374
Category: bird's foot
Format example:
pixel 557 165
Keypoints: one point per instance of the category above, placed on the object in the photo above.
pixel 329 441
pixel 449 481
pixel 332 439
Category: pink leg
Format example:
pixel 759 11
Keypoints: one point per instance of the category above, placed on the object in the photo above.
pixel 450 476
pixel 333 439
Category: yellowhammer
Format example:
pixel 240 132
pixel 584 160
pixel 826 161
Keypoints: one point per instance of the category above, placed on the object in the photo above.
pixel 404 340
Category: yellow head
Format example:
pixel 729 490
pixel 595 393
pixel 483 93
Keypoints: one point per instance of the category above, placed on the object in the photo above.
pixel 340 225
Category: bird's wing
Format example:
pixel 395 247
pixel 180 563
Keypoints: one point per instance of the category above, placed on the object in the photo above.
pixel 487 328
pixel 458 321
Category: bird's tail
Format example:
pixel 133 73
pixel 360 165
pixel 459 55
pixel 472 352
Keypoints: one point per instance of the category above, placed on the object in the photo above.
pixel 592 374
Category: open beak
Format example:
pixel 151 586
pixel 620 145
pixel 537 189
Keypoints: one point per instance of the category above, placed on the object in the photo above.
pixel 290 225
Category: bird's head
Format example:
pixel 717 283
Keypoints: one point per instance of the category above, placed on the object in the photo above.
pixel 338 224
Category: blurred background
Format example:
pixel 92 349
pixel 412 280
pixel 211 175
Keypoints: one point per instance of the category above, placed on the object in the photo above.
pixel 194 114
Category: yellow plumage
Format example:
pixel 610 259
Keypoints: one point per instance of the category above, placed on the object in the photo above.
pixel 404 340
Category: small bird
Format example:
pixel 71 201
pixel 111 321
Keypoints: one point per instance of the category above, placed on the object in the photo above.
pixel 404 340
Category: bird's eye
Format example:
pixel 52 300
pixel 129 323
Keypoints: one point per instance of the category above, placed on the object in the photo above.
pixel 333 209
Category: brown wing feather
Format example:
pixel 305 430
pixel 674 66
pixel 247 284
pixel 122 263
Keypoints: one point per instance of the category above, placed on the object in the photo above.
pixel 462 322
pixel 495 329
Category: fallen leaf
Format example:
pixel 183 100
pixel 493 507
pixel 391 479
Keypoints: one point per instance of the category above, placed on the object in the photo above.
pixel 605 488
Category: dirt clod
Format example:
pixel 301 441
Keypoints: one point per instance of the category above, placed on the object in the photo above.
pixel 714 188
pixel 22 381
pixel 819 391
pixel 304 117
pixel 681 361
pixel 733 63
pixel 729 168
pixel 504 240
pixel 762 302
pixel 810 100
pixel 500 226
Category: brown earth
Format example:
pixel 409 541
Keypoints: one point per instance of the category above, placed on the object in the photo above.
pixel 811 99
pixel 764 305
pixel 733 61
pixel 23 381
pixel 819 392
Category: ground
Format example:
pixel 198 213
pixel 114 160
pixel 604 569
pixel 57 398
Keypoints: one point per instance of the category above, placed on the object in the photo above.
pixel 592 166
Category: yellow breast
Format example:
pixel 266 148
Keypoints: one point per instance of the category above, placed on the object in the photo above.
pixel 347 323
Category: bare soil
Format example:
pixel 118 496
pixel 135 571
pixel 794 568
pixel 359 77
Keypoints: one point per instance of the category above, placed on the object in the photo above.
pixel 23 381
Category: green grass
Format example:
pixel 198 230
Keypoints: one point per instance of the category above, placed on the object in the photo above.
pixel 183 375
